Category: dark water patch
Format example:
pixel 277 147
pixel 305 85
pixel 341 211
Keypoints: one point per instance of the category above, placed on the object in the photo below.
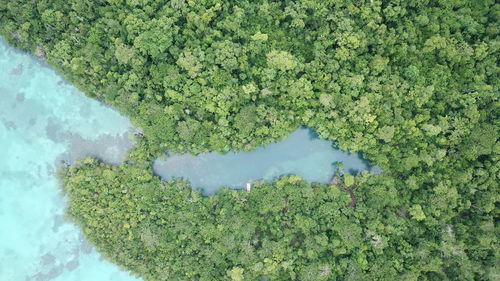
pixel 20 97
pixel 18 70
pixel 9 124
pixel 110 149
pixel 52 130
pixel 58 222
pixel 72 265
pixel 51 274
pixel 48 259
pixel 22 113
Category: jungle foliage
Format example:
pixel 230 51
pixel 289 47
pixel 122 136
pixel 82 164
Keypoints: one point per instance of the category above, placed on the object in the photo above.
pixel 412 84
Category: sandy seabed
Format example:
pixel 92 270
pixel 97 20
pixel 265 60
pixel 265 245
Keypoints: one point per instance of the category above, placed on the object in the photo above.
pixel 44 120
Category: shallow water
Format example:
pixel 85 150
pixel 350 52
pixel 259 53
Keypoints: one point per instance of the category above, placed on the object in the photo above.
pixel 44 120
pixel 301 153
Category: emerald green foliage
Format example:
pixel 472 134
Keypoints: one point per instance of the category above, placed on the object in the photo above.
pixel 413 84
pixel 284 230
pixel 348 179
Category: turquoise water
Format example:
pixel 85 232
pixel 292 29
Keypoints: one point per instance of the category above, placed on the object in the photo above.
pixel 301 153
pixel 44 120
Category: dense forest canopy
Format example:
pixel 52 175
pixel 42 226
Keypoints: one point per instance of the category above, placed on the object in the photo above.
pixel 413 84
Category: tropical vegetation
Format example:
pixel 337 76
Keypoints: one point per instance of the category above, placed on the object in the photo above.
pixel 412 84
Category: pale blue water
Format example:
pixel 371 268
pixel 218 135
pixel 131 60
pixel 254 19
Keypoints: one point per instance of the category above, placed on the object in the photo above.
pixel 301 153
pixel 43 120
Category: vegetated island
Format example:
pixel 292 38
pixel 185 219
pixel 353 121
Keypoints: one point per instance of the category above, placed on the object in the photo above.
pixel 413 84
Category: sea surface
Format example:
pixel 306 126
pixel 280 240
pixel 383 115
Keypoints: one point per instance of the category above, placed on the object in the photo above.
pixel 44 121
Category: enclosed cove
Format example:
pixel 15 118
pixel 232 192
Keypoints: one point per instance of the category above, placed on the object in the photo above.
pixel 44 120
pixel 302 153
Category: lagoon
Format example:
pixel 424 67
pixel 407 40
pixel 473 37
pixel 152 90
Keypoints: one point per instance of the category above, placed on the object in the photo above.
pixel 301 153
pixel 44 120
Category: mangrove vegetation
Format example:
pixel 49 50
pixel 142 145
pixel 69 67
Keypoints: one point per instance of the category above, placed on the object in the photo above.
pixel 412 84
